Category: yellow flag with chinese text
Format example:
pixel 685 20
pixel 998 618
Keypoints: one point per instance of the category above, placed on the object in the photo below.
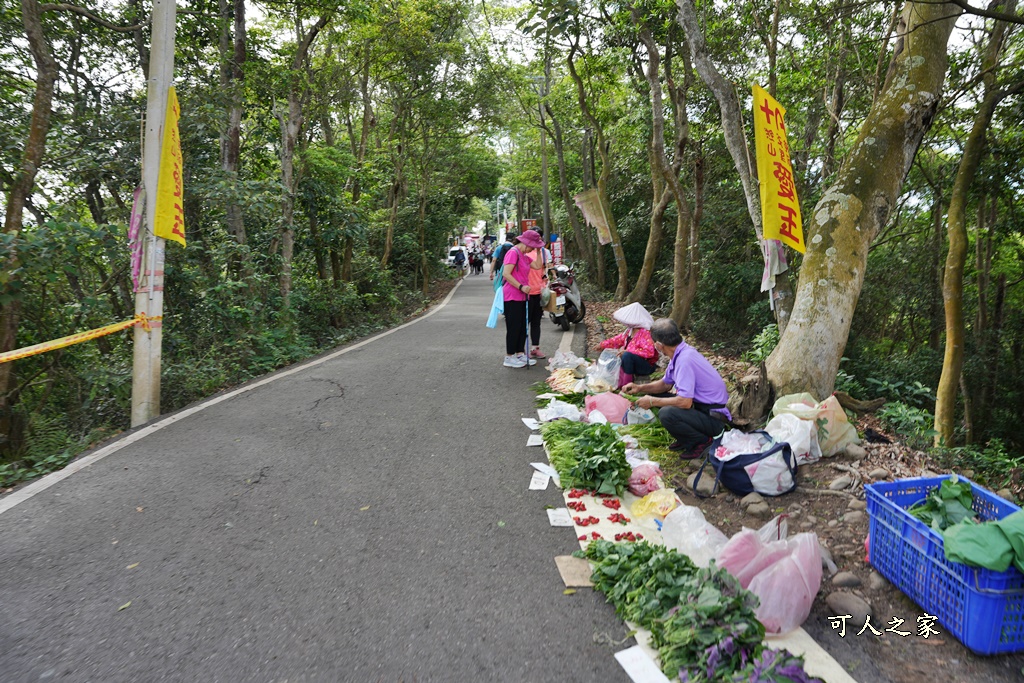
pixel 780 209
pixel 169 218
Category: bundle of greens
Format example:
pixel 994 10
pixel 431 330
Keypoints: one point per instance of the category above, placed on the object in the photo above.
pixel 947 505
pixel 702 621
pixel 575 398
pixel 560 439
pixel 643 581
pixel 712 632
pixel 651 436
pixel 600 462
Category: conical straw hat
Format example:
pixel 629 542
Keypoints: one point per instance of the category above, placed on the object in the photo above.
pixel 634 315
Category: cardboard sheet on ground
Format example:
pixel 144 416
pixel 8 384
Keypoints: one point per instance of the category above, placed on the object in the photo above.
pixel 560 517
pixel 539 481
pixel 575 571
pixel 535 440
pixel 639 666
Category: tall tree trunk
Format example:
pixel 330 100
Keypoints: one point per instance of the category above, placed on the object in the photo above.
pixel 852 211
pixel 232 77
pixel 735 142
pixel 621 288
pixel 291 127
pixel 18 196
pixel 956 229
pixel 935 313
pixel 661 192
pixel 579 232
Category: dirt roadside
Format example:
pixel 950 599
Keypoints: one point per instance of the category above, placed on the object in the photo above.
pixel 841 523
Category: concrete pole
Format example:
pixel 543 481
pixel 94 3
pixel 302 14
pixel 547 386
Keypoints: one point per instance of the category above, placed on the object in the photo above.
pixel 150 298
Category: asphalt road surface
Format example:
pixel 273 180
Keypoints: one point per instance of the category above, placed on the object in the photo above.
pixel 364 519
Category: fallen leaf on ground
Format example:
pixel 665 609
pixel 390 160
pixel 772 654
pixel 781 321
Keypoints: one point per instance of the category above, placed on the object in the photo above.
pixel 569 591
pixel 124 606
pixel 132 566
pixel 364 509
pixel 139 509
pixel 315 521
pixel 501 524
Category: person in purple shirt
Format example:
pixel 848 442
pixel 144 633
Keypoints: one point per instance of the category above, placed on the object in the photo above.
pixel 695 413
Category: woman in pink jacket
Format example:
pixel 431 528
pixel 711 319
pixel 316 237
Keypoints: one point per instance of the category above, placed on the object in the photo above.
pixel 639 357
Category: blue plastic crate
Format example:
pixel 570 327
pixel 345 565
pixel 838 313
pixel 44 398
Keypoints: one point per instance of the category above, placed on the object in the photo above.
pixel 984 609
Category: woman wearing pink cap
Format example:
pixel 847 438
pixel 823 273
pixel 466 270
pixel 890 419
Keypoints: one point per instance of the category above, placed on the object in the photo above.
pixel 516 272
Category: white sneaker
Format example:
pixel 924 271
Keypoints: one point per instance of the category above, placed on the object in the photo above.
pixel 514 362
pixel 523 360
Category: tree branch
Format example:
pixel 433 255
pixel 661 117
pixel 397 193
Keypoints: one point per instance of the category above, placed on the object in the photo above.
pixel 987 13
pixel 74 9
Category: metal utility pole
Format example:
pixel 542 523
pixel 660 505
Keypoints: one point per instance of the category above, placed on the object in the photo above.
pixel 149 300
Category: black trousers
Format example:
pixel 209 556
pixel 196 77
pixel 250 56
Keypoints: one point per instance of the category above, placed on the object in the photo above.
pixel 690 427
pixel 536 315
pixel 515 327
pixel 633 364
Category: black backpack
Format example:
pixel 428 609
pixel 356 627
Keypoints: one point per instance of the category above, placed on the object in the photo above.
pixel 499 255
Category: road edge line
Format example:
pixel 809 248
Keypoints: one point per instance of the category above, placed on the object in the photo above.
pixel 49 480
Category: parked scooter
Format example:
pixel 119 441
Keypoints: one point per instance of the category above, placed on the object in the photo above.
pixel 569 306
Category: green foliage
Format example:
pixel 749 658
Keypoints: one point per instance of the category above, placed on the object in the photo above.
pixel 992 465
pixel 910 393
pixel 913 425
pixel 946 505
pixel 763 344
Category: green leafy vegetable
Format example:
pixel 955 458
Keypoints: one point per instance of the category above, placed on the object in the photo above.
pixel 946 505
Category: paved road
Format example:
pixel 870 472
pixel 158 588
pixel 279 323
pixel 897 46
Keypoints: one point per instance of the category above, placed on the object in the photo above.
pixel 252 557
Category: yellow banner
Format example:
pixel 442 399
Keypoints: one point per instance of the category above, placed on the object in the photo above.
pixel 36 349
pixel 169 219
pixel 780 209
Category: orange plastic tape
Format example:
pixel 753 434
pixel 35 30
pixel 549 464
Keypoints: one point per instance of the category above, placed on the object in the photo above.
pixel 36 349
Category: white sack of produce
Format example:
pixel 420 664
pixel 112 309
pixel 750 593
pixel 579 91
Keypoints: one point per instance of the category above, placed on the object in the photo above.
pixel 801 435
pixel 603 375
pixel 686 530
pixel 835 432
pixel 559 410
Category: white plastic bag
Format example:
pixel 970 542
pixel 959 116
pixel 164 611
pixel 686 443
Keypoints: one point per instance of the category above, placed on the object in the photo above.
pixel 566 359
pixel 787 587
pixel 835 432
pixel 801 435
pixel 559 409
pixel 686 530
pixel 603 375
pixel 639 416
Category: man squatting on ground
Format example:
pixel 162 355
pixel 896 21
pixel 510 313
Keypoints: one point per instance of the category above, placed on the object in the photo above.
pixel 696 412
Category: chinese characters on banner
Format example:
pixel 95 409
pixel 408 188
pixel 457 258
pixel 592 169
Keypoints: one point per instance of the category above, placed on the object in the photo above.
pixel 780 210
pixel 169 219
pixel 528 224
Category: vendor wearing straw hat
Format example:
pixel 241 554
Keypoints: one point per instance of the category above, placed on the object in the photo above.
pixel 694 414
pixel 639 357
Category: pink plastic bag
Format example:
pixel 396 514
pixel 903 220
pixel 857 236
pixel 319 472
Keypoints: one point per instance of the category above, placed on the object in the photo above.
pixel 787 588
pixel 612 406
pixel 644 479
pixel 746 555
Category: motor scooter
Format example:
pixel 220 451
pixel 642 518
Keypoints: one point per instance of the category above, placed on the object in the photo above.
pixel 569 306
